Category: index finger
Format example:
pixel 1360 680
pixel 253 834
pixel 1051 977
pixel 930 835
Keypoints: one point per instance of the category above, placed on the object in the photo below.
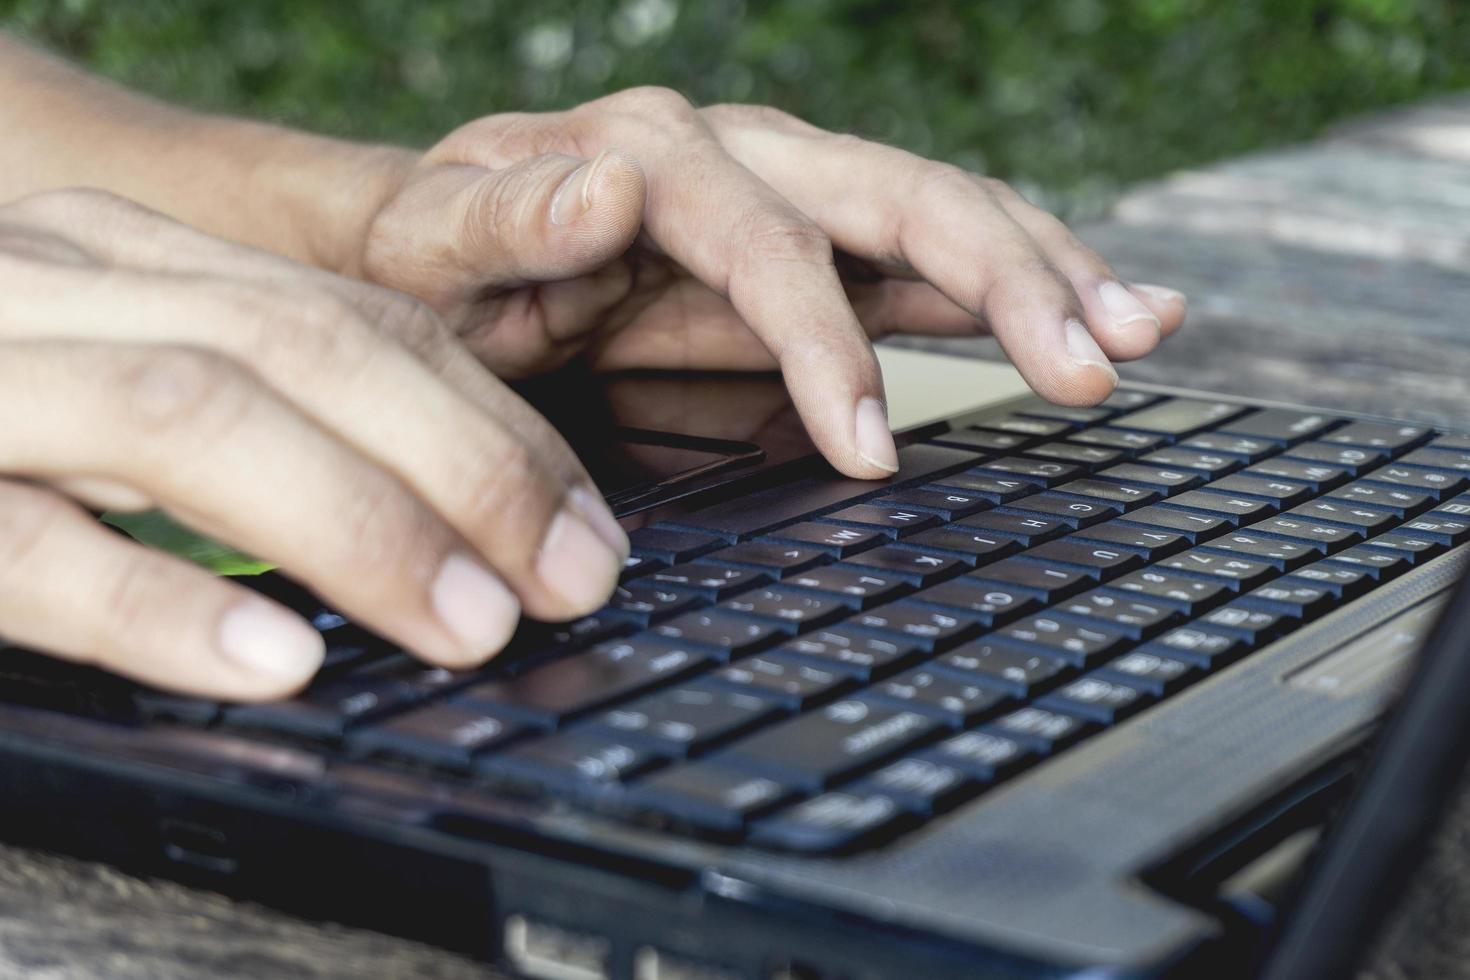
pixel 741 238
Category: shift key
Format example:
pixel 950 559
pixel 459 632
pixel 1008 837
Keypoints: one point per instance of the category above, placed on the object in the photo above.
pixel 816 749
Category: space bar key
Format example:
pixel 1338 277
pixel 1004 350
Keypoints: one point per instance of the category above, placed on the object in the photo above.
pixel 757 512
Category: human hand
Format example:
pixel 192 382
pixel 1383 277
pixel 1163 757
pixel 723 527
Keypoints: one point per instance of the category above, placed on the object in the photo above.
pixel 648 233
pixel 331 426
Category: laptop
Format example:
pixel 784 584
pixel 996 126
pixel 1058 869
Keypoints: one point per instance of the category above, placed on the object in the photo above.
pixel 1074 694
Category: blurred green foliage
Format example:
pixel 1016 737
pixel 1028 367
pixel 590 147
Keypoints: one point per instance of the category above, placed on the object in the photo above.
pixel 1067 98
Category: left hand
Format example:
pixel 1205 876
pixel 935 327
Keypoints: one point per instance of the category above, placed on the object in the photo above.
pixel 648 233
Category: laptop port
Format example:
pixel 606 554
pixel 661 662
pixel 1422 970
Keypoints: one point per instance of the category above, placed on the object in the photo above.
pixel 653 964
pixel 546 952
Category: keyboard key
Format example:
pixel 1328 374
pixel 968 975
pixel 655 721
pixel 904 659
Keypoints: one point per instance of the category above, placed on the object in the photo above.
pixel 916 566
pixel 789 681
pixel 924 785
pixel 1233 510
pixel 1100 561
pixel 1125 400
pixel 1039 471
pixel 327 710
pixel 1194 527
pixel 1162 478
pixel 1148 543
pixel 1128 442
pixel 985 755
pixel 830 822
pixel 710 581
pixel 1042 730
pixel 984 440
pixel 1446 528
pixel 949 504
pixel 1158 675
pixel 765 510
pixel 1450 440
pixel 1325 537
pixel 1294 596
pixel 1283 493
pixel 996 489
pixel 708 795
pixel 1376 435
pixel 981 601
pixel 1018 669
pixel 930 628
pixel 1028 529
pixel 1413 547
pixel 1026 425
pixel 1382 565
pixel 1350 458
pixel 861 655
pixel 814 750
pixel 1369 520
pixel 1134 617
pixel 856 587
pixel 950 698
pixel 1455 461
pixel 1242 573
pixel 1110 490
pixel 636 565
pixel 1433 482
pixel 1082 645
pixel 1178 457
pixel 687 718
pixel 670 545
pixel 1047 583
pixel 1088 458
pixel 1207 647
pixel 893 521
pixel 1255 625
pixel 642 601
pixel 1101 699
pixel 1188 593
pixel 970 544
pixel 724 634
pixel 836 541
pixel 1319 477
pixel 1405 503
pixel 1040 409
pixel 1069 510
pixel 1179 416
pixel 794 609
pixel 1345 581
pixel 441 735
pixel 578 683
pixel 1281 425
pixel 775 558
pixel 1246 448
pixel 1281 553
pixel 574 763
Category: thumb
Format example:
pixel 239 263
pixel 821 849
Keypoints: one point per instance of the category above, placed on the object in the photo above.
pixel 458 230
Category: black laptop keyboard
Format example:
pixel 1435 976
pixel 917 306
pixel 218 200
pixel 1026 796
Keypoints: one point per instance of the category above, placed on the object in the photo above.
pixel 822 665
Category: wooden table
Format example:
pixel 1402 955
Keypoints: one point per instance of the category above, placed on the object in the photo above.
pixel 1336 273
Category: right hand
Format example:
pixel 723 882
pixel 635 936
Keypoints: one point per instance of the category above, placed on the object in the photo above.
pixel 334 427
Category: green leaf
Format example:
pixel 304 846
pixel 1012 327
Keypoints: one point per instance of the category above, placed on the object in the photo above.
pixel 158 530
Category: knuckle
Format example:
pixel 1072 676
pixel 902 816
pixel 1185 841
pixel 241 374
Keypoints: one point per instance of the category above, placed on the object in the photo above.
pixel 774 233
pixel 512 502
pixel 129 595
pixel 411 323
pixel 387 528
pixel 655 101
pixel 185 392
pixel 746 114
pixel 939 184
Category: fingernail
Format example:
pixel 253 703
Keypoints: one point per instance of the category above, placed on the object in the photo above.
pixel 574 197
pixel 265 639
pixel 576 562
pixel 1084 349
pixel 874 437
pixel 474 605
pixel 594 511
pixel 1162 293
pixel 1122 306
